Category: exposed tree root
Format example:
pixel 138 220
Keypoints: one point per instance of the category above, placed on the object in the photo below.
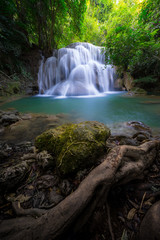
pixel 109 221
pixel 34 212
pixel 122 164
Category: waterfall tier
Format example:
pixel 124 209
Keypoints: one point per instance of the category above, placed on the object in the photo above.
pixel 78 69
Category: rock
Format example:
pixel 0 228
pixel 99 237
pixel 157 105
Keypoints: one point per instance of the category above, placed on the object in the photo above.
pixel 46 181
pixel 74 146
pixel 24 146
pixel 54 198
pixel 140 127
pixel 119 85
pixel 65 187
pixel 12 176
pixel 45 160
pixel 149 229
pixel 8 118
pixel 138 91
pixel 3 156
pixel 121 140
pixel 32 90
pixel 141 136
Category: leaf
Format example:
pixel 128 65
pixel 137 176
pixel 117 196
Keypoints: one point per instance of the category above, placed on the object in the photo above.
pixel 30 187
pixel 9 212
pixel 22 198
pixel 131 214
pixel 124 235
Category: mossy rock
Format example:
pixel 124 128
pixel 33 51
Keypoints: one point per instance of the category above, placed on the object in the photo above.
pixel 14 87
pixel 139 91
pixel 74 146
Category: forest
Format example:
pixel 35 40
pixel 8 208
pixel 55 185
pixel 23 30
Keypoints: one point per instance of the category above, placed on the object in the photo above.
pixel 79 119
pixel 129 30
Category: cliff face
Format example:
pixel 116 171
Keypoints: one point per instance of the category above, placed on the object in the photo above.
pixel 22 79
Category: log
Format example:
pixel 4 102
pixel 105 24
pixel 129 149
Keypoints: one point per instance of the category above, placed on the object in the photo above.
pixel 122 164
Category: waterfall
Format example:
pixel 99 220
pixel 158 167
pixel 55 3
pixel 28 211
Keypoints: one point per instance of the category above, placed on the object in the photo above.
pixel 78 69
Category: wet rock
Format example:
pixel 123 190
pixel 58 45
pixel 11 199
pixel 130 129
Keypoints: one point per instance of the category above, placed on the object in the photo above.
pixel 46 181
pixel 3 156
pixel 8 118
pixel 54 198
pixel 25 146
pixel 140 126
pixel 149 229
pixel 142 136
pixel 11 177
pixel 74 146
pixel 65 187
pixel 45 160
pixel 32 90
pixel 39 199
pixel 121 140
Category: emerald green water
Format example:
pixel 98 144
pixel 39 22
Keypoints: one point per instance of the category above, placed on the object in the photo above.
pixel 109 109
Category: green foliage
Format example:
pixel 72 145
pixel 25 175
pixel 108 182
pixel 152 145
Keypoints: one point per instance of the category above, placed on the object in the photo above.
pixel 132 40
pixel 12 40
pixel 91 30
pixel 147 82
pixel 40 22
pixel 102 9
pixel 48 24
pixel 129 29
pixel 148 79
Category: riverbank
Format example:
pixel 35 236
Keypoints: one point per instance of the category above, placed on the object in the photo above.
pixel 36 185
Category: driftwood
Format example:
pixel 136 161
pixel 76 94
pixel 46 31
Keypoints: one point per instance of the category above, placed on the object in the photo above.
pixel 121 165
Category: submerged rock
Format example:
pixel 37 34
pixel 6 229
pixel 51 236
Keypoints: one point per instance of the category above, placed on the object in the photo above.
pixel 137 125
pixel 74 146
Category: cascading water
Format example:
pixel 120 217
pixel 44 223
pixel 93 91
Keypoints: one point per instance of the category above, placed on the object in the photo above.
pixel 78 69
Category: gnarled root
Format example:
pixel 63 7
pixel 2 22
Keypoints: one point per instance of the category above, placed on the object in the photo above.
pixel 34 212
pixel 122 164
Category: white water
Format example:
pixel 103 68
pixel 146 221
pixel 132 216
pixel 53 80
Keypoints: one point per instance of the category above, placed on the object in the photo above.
pixel 77 70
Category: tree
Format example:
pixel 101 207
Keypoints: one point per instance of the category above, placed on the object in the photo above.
pixel 43 23
pixel 123 164
pixel 132 40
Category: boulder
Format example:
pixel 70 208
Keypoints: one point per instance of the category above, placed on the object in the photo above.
pixel 149 229
pixel 74 146
pixel 8 118
pixel 32 89
pixel 138 91
pixel 13 176
pixel 140 127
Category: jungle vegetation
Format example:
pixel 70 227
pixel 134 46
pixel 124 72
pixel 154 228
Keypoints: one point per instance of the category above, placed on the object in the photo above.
pixel 129 30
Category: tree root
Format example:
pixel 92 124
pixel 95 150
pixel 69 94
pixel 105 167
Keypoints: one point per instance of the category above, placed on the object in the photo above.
pixel 109 221
pixel 34 212
pixel 122 164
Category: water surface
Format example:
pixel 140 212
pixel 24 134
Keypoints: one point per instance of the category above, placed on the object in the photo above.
pixel 109 108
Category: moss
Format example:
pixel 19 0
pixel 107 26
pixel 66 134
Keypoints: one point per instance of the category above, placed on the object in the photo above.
pixel 74 146
pixel 13 87
pixel 138 91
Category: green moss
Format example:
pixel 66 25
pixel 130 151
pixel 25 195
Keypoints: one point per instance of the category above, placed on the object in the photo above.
pixel 74 146
pixel 138 91
pixel 13 87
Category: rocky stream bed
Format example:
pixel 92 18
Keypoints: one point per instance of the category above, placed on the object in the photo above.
pixel 32 184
